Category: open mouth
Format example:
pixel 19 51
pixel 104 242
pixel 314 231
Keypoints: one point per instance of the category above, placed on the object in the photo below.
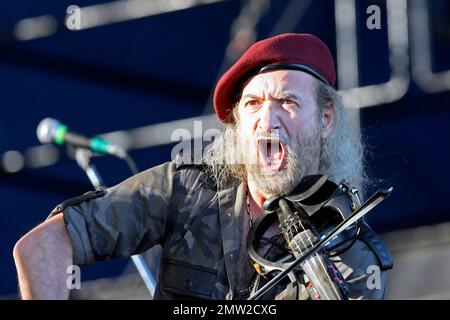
pixel 272 153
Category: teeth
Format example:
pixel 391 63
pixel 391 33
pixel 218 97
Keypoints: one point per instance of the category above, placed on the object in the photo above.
pixel 269 147
pixel 270 154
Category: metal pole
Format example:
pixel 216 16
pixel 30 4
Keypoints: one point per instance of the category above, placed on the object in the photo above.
pixel 83 158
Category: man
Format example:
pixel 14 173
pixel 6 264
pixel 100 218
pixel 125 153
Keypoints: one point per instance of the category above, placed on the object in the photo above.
pixel 283 121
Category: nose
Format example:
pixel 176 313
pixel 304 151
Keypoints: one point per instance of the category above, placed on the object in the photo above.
pixel 269 117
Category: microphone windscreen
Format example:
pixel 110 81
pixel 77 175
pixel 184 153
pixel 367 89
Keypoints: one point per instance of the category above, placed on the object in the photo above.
pixel 46 130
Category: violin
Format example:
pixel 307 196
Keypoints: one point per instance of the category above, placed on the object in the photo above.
pixel 319 218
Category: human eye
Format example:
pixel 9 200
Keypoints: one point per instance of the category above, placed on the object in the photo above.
pixel 289 103
pixel 252 104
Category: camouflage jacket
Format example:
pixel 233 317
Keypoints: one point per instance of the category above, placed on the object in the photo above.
pixel 199 229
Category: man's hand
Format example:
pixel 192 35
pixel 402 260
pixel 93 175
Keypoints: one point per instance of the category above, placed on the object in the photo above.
pixel 42 257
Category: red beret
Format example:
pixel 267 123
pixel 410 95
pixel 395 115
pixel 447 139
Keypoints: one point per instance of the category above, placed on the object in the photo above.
pixel 294 51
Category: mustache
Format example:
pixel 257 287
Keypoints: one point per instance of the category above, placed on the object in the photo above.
pixel 272 135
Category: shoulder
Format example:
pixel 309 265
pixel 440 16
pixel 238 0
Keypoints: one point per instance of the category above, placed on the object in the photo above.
pixel 191 167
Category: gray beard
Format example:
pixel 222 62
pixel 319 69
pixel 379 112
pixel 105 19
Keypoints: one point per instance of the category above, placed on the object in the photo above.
pixel 301 154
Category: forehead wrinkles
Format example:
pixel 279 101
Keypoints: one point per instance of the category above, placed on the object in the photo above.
pixel 273 85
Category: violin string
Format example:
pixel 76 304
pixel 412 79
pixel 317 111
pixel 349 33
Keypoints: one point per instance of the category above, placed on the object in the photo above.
pixel 324 268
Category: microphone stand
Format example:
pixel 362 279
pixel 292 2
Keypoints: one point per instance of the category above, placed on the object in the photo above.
pixel 83 158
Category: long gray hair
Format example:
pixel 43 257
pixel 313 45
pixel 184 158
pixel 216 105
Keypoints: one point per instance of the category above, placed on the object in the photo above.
pixel 341 155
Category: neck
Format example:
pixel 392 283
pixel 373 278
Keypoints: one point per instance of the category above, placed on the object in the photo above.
pixel 257 199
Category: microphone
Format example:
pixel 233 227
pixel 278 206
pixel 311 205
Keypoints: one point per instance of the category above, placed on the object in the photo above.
pixel 52 131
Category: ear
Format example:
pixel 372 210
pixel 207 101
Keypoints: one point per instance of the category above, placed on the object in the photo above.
pixel 328 119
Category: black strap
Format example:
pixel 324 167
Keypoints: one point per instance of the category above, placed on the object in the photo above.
pixel 100 192
pixel 373 240
pixel 294 66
